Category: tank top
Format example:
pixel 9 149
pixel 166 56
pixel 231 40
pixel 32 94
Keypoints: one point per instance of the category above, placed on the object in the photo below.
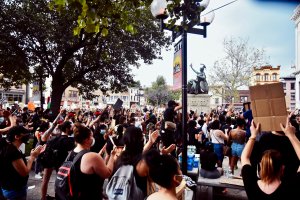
pixel 216 139
pixel 89 185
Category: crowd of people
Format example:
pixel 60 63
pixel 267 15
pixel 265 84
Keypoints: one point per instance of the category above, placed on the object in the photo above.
pixel 150 141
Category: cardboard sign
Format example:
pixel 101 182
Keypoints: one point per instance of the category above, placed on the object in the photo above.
pixel 118 104
pixel 268 106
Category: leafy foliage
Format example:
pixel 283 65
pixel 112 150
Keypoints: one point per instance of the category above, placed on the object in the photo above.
pixel 94 14
pixel 42 38
pixel 235 69
pixel 159 92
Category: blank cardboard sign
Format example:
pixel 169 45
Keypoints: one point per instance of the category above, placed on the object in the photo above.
pixel 268 106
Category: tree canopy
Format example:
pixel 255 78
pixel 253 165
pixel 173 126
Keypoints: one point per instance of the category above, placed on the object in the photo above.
pixel 94 14
pixel 36 38
pixel 160 93
pixel 234 70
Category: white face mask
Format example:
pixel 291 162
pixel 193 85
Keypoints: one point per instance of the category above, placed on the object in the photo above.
pixel 93 142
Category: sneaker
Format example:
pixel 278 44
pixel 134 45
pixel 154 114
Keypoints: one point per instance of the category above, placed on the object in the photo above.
pixel 38 176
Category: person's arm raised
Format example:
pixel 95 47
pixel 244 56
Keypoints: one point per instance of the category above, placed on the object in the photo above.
pixel 12 120
pixel 47 133
pixel 245 158
pixel 290 131
pixel 151 141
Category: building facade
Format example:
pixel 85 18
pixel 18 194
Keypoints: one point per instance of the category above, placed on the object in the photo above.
pixel 15 95
pixel 265 75
pixel 72 99
pixel 289 87
pixel 296 19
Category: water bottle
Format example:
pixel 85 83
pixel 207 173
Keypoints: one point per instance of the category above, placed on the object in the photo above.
pixel 196 162
pixel 180 160
pixel 190 161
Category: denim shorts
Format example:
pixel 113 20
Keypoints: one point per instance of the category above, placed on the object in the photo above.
pixel 15 195
pixel 237 149
pixel 218 149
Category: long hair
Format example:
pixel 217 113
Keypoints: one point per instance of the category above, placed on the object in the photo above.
pixel 133 141
pixel 271 166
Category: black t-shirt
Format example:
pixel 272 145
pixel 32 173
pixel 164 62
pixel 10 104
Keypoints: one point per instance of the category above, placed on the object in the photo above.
pixel 62 145
pixel 10 179
pixel 192 132
pixel 286 190
pixel 208 160
pixel 283 145
pixel 169 114
pixel 66 144
pixel 99 138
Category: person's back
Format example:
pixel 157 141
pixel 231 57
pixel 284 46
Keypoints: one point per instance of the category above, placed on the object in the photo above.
pixel 89 184
pixel 281 143
pixel 208 161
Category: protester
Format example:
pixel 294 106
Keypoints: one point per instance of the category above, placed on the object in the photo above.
pixel 14 168
pixel 90 170
pixel 38 134
pixel 61 145
pixel 238 137
pixel 165 171
pixel 271 185
pixel 208 163
pixel 217 138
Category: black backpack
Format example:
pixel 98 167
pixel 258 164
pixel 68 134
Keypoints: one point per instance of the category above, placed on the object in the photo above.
pixel 49 157
pixel 65 187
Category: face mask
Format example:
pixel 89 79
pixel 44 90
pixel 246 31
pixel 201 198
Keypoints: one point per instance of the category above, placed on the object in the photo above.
pixel 1 120
pixel 25 138
pixel 93 142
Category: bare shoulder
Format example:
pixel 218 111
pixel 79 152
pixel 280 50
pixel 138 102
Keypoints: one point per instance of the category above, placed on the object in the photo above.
pixel 159 196
pixel 90 158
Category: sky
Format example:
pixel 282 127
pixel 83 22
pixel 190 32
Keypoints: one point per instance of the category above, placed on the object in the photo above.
pixel 265 24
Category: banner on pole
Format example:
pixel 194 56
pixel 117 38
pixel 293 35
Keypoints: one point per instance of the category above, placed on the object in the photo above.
pixel 177 66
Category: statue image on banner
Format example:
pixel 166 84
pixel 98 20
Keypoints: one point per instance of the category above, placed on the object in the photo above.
pixel 198 85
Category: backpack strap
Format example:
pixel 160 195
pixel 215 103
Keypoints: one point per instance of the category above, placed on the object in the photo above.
pixel 78 156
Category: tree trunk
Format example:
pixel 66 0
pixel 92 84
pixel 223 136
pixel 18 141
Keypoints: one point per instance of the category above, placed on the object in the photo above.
pixel 56 96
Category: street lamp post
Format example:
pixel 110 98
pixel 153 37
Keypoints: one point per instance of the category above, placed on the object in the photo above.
pixel 190 11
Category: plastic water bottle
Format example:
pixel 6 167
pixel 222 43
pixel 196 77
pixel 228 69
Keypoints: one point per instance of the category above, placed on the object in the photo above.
pixel 196 162
pixel 180 160
pixel 190 161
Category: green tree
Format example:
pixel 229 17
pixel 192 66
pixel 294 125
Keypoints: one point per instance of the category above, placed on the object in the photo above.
pixel 35 37
pixel 235 69
pixel 159 92
pixel 94 15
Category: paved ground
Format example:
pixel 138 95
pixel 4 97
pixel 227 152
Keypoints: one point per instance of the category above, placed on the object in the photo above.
pixel 232 194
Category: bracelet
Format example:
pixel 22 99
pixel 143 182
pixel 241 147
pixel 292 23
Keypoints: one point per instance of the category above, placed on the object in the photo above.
pixel 251 138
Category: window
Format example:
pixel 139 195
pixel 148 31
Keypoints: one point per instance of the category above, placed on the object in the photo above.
pixel 266 76
pixel 274 77
pixel 216 100
pixel 292 86
pixel 73 94
pixel 293 96
pixel 243 99
pixel 257 77
pixel 284 85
